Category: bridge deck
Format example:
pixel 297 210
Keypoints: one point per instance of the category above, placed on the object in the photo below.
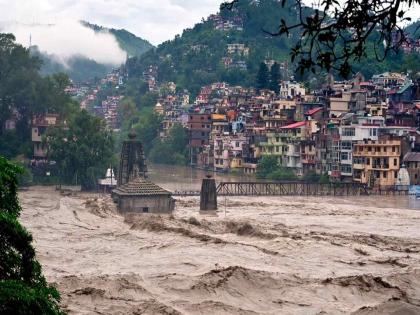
pixel 292 189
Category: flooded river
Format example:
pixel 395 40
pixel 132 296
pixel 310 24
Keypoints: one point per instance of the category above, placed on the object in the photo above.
pixel 180 178
pixel 258 255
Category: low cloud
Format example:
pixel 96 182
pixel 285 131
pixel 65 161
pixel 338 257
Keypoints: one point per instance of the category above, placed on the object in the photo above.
pixel 67 39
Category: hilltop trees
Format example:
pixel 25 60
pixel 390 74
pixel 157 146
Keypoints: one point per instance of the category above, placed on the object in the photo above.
pixel 263 77
pixel 335 35
pixel 275 78
pixel 23 288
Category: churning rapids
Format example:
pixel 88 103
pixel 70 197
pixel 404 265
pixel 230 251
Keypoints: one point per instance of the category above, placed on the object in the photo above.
pixel 272 255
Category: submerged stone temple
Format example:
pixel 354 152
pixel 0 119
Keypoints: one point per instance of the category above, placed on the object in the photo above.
pixel 135 193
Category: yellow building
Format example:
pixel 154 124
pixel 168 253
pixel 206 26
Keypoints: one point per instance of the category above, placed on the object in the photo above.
pixel 273 146
pixel 376 163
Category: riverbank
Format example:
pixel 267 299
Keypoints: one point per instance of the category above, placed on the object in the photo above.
pixel 289 255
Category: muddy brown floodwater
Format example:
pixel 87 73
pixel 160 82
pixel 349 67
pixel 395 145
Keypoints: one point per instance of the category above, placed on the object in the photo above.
pixel 259 255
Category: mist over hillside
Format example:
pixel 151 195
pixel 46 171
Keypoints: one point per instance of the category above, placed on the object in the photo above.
pixel 80 49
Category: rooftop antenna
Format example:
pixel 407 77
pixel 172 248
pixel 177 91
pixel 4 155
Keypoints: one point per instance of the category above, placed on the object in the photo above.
pixel 30 40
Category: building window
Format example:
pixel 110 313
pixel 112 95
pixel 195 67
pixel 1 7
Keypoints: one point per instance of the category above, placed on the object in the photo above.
pixel 373 132
pixel 395 162
pixel 145 209
pixel 237 144
pixel 344 155
pixel 384 175
pixel 346 168
pixel 346 145
pixel 349 132
pixel 393 149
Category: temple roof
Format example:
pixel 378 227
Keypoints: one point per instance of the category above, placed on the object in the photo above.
pixel 140 187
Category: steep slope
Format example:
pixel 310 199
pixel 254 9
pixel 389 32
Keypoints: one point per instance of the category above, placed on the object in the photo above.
pixel 133 45
pixel 80 68
pixel 203 54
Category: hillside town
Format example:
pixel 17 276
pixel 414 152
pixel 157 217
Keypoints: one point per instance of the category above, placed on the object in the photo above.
pixel 360 130
pixel 354 131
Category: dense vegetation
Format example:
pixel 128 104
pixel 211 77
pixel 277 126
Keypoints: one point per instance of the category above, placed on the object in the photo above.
pixel 79 69
pixel 138 113
pixel 23 288
pixel 195 58
pixel 81 144
pixel 24 93
pixel 82 148
pixel 269 168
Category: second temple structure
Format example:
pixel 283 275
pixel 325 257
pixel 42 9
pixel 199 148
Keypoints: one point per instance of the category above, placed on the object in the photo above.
pixel 135 193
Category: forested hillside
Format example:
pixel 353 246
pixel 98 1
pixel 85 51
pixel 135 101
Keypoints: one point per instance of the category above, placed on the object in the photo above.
pixel 201 55
pixel 80 68
pixel 130 43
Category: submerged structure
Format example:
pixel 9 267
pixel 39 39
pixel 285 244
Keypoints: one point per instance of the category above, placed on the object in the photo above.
pixel 132 161
pixel 108 183
pixel 135 193
pixel 208 195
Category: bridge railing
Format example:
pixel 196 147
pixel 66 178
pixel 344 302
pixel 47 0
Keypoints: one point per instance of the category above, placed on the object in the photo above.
pixel 290 189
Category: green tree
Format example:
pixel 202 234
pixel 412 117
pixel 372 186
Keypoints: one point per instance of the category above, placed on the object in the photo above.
pixel 147 127
pixel 24 93
pixel 282 173
pixel 82 149
pixel 23 288
pixel 311 177
pixel 275 78
pixel 172 150
pixel 263 77
pixel 127 110
pixel 324 179
pixel 148 100
pixel 266 165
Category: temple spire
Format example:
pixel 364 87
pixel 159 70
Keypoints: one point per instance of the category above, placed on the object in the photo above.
pixel 132 160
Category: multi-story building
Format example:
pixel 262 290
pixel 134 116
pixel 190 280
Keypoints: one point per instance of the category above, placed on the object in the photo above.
pixel 199 128
pixel 347 101
pixel 291 136
pixel 229 152
pixel 291 90
pixel 39 127
pixel 376 162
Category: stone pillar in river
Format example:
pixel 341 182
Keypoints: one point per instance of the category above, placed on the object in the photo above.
pixel 132 161
pixel 208 195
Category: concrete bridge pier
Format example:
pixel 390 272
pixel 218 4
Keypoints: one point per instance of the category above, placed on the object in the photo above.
pixel 208 195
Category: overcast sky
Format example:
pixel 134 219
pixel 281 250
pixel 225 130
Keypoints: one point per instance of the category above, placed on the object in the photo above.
pixel 154 20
